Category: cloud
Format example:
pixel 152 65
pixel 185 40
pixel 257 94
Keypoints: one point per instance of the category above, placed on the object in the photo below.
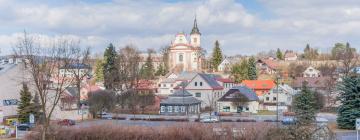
pixel 153 24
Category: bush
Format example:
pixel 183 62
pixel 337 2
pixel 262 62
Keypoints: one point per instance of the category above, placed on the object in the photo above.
pixel 179 132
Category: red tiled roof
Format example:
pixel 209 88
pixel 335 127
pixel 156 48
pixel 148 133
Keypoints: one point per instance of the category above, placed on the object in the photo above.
pixel 270 63
pixel 259 84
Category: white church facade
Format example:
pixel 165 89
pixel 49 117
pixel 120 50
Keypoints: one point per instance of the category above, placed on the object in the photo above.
pixel 186 55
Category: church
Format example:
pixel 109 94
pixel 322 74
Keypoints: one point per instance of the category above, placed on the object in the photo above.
pixel 186 55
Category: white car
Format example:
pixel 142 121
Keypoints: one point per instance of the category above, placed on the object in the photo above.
pixel 209 119
pixel 105 116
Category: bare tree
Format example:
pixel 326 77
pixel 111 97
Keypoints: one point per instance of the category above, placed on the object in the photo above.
pixel 128 66
pixel 42 62
pixel 101 100
pixel 79 67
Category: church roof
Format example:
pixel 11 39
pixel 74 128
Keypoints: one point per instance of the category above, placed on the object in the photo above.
pixel 195 29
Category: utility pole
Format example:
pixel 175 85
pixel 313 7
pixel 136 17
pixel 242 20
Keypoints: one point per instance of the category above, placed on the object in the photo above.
pixel 277 99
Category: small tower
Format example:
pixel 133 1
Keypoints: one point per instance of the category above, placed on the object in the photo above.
pixel 195 35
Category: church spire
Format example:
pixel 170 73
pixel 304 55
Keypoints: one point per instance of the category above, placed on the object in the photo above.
pixel 195 29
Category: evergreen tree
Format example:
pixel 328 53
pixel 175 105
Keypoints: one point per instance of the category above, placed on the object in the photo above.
pixel 252 73
pixel 161 71
pixel 305 106
pixel 24 105
pixel 110 70
pixel 239 71
pixel 217 56
pixel 35 107
pixel 99 70
pixel 349 97
pixel 147 70
pixel 279 54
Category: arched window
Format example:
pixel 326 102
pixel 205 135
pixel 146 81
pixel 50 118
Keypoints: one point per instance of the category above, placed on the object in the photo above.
pixel 181 57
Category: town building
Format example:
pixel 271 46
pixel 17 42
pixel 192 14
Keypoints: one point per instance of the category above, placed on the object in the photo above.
pixel 75 69
pixel 267 66
pixel 205 88
pixel 260 87
pixel 186 55
pixel 311 72
pixel 167 85
pixel 224 66
pixel 290 56
pixel 313 83
pixel 239 99
pixel 181 102
pixel 281 94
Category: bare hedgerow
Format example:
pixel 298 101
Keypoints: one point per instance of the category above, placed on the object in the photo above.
pixel 181 131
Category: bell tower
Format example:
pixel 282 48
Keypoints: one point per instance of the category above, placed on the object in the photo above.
pixel 195 35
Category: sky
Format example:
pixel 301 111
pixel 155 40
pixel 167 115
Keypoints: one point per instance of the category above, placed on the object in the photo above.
pixel 241 26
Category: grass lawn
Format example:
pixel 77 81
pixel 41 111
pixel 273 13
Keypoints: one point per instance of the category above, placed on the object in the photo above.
pixel 266 112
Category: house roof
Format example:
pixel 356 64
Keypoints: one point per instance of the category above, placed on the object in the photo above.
pixel 76 66
pixel 259 84
pixel 186 76
pixel 72 91
pixel 180 97
pixel 242 90
pixel 270 63
pixel 312 82
pixel 225 80
pixel 211 81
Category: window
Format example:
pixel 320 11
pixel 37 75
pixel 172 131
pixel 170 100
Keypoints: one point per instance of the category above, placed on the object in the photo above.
pixel 162 109
pixel 182 108
pixel 164 85
pixel 200 83
pixel 181 57
pixel 159 85
pixel 195 40
pixel 226 108
pixel 176 109
pixel 171 85
pixel 267 99
pixel 274 98
pixel 169 108
pixel 195 83
pixel 197 94
pixel 247 108
pixel 171 91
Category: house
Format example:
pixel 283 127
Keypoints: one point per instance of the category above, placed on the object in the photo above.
pixel 260 87
pixel 290 56
pixel 181 102
pixel 266 66
pixel 205 88
pixel 146 86
pixel 314 83
pixel 69 99
pixel 224 66
pixel 166 86
pixel 73 70
pixel 311 72
pixel 281 94
pixel 239 99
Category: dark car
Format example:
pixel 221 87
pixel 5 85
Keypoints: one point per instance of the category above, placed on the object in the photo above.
pixel 66 122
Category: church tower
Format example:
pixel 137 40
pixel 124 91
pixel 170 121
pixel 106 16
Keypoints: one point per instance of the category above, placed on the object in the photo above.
pixel 195 35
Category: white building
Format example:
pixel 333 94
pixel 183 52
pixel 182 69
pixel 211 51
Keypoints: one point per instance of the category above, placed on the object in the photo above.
pixel 166 86
pixel 205 88
pixel 225 65
pixel 75 69
pixel 239 99
pixel 290 56
pixel 311 72
pixel 283 94
pixel 185 55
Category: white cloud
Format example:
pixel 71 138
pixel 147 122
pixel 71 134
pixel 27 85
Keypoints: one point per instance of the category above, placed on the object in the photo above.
pixel 152 24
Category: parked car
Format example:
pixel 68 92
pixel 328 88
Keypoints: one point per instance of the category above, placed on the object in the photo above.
pixel 105 115
pixel 24 127
pixel 288 121
pixel 66 122
pixel 209 119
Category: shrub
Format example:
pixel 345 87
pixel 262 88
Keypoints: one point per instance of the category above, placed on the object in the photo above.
pixel 179 132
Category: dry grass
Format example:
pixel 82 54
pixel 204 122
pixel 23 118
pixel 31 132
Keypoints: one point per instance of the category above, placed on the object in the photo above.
pixel 255 131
